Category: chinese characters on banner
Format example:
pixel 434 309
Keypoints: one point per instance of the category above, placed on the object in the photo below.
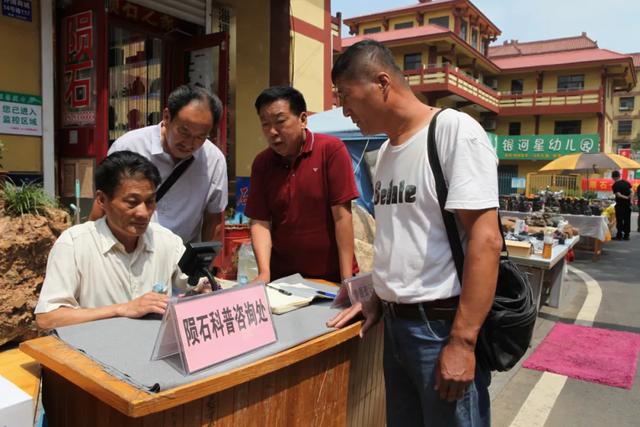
pixel 134 12
pixel 544 147
pixel 603 185
pixel 219 326
pixel 78 89
pixel 20 114
pixel 19 9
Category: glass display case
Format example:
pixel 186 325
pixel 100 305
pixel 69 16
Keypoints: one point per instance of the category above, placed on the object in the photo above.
pixel 135 81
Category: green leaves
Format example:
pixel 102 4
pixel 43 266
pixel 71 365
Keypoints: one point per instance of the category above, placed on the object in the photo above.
pixel 23 199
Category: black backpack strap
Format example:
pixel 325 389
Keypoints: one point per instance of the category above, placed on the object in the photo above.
pixel 173 177
pixel 442 191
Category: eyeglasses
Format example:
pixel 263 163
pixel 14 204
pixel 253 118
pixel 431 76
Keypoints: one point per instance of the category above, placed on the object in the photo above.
pixel 184 133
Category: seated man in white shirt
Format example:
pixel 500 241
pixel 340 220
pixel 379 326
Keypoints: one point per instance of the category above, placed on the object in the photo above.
pixel 108 268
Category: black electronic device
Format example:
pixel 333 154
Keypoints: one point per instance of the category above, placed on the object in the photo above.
pixel 197 259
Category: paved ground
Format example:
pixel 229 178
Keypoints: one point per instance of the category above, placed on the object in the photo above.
pixel 580 403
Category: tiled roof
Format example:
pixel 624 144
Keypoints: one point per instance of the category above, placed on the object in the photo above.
pixel 557 58
pixel 397 35
pixel 636 59
pixel 514 47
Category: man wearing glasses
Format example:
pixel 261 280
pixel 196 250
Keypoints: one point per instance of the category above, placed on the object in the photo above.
pixel 192 205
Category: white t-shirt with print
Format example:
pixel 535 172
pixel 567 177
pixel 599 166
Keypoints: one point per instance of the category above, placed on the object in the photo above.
pixel 412 257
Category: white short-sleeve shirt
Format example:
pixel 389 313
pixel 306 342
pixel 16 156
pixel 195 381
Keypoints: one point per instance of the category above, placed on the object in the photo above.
pixel 88 267
pixel 412 257
pixel 201 188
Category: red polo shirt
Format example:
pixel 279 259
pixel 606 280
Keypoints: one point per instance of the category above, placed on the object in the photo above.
pixel 297 200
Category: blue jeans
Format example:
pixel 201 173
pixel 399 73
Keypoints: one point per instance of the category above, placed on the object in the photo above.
pixel 411 349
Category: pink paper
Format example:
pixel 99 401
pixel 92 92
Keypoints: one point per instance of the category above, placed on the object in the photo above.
pixel 223 325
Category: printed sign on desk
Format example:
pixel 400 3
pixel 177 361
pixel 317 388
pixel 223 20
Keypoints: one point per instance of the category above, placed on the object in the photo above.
pixel 211 328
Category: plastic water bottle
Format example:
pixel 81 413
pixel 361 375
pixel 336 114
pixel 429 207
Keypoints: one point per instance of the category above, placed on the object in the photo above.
pixel 247 265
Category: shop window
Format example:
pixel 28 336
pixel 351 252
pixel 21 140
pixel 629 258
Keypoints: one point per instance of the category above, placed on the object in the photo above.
pixel 570 82
pixel 568 127
pixel 402 25
pixel 463 30
pixel 135 81
pixel 517 86
pixel 626 103
pixel 624 127
pixel 372 30
pixel 474 39
pixel 412 61
pixel 443 21
pixel 514 128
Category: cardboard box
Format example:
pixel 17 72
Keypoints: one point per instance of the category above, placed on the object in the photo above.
pixel 16 406
pixel 521 249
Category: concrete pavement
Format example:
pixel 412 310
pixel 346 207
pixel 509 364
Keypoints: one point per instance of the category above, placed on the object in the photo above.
pixel 580 403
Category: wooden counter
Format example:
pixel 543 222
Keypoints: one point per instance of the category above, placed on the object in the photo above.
pixel 332 380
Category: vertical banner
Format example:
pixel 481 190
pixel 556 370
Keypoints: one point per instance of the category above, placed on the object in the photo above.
pixel 78 70
pixel 625 152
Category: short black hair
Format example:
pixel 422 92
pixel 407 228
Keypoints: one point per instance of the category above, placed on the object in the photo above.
pixel 615 174
pixel 123 165
pixel 362 60
pixel 185 94
pixel 297 104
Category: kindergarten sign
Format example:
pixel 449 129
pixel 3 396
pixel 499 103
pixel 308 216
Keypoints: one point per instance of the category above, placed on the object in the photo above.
pixel 544 147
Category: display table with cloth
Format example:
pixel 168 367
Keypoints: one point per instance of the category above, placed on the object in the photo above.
pixel 592 227
pixel 550 271
pixel 312 375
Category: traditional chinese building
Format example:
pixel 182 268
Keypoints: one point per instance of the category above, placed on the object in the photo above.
pixel 626 118
pixel 538 100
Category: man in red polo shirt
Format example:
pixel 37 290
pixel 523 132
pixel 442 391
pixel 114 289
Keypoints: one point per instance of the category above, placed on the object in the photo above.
pixel 300 195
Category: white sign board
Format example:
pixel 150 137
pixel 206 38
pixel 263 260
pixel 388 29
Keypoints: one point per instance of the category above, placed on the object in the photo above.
pixel 20 114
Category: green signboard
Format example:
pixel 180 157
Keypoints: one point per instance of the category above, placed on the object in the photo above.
pixel 543 147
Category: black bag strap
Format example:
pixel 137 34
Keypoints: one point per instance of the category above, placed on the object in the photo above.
pixel 442 191
pixel 173 177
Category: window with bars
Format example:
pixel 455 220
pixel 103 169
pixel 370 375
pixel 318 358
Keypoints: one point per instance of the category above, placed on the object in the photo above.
pixel 570 82
pixel 627 103
pixel 568 127
pixel 402 25
pixel 624 127
pixel 443 21
pixel 413 61
pixel 372 30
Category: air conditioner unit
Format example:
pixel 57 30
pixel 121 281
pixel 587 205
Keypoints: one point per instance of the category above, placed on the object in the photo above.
pixel 489 123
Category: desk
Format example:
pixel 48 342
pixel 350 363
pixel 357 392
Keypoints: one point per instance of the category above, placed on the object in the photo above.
pixel 333 380
pixel 551 269
pixel 593 227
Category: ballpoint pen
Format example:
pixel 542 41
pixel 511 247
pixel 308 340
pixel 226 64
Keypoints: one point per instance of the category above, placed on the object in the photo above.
pixel 325 294
pixel 282 291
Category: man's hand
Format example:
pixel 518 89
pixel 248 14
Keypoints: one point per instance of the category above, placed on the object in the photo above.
pixel 369 309
pixel 263 277
pixel 151 302
pixel 455 370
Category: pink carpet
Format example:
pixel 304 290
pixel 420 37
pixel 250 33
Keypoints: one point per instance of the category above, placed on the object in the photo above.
pixel 598 355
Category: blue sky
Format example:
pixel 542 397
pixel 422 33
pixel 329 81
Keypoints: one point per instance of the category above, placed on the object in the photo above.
pixel 614 24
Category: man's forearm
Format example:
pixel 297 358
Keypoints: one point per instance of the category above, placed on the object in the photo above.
pixel 478 290
pixel 344 239
pixel 261 241
pixel 65 316
pixel 211 227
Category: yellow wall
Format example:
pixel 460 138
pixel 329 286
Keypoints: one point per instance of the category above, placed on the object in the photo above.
pixel 248 76
pixel 311 11
pixel 308 70
pixel 20 72
pixel 527 125
pixel 403 18
pixel 592 78
pixel 589 123
pixel 529 82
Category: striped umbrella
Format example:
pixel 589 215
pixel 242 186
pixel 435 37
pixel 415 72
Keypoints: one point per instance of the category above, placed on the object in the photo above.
pixel 590 161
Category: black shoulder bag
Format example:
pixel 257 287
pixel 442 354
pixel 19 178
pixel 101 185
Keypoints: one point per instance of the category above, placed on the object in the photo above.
pixel 508 328
pixel 173 177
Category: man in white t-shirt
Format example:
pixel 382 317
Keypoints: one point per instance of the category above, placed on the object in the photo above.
pixel 431 318
pixel 192 207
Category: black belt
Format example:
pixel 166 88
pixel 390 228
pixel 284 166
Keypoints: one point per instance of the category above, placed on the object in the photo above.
pixel 441 309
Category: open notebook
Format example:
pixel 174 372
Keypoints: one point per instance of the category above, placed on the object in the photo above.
pixel 284 297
